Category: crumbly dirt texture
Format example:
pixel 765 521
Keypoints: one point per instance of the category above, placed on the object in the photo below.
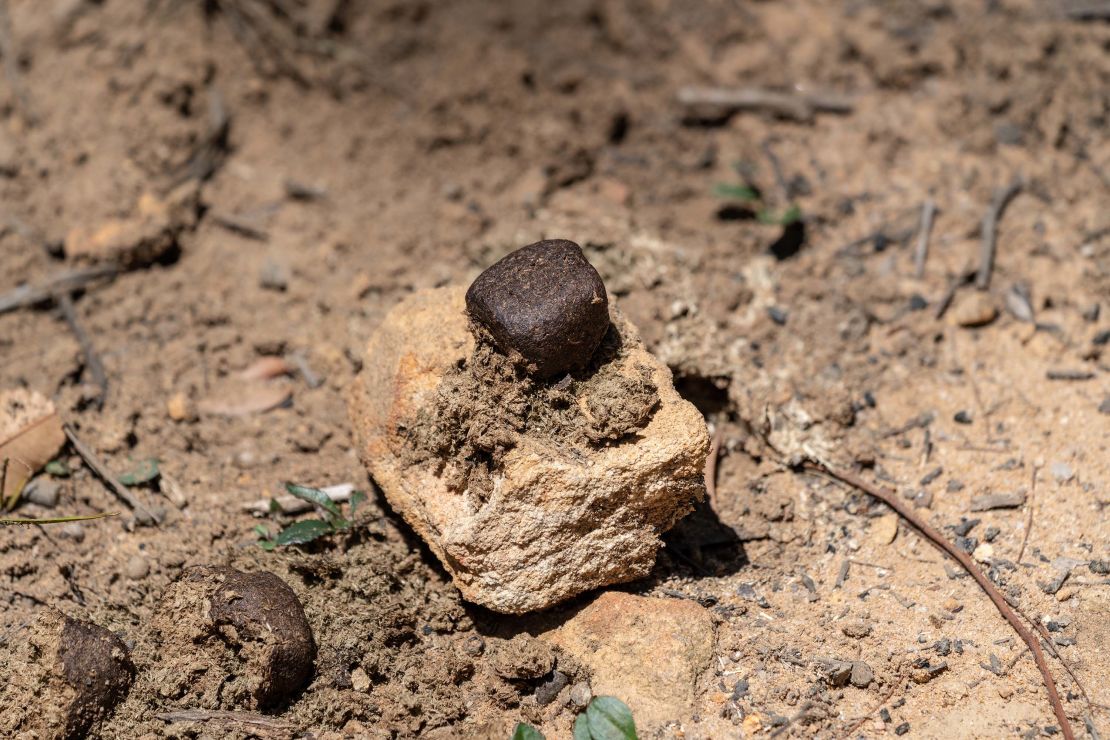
pixel 437 138
pixel 480 410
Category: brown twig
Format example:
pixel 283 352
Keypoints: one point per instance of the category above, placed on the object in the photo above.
pixel 1029 518
pixel 220 716
pixel 142 514
pixel 796 105
pixel 891 499
pixel 92 359
pixel 62 282
pixel 1001 199
pixel 859 722
pixel 921 253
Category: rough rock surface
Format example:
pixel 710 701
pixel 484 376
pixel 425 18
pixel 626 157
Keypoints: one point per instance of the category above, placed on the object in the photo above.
pixel 75 671
pixel 649 653
pixel 556 520
pixel 226 639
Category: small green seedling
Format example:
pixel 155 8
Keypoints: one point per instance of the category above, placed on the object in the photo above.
pixel 606 718
pixel 307 530
pixel 749 194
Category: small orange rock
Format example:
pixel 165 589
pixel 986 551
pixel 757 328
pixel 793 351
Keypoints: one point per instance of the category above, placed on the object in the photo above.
pixel 178 407
pixel 952 605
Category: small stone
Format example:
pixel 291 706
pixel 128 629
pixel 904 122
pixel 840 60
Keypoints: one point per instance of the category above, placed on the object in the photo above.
pixel 74 531
pixel 931 476
pixel 650 652
pixel 544 301
pixel 983 553
pixel 178 407
pixel 952 605
pixel 777 315
pixel 548 690
pixel 902 729
pixel 360 682
pixel 836 672
pixel 273 276
pixel 990 501
pixel 974 309
pixel 923 499
pixel 42 491
pixel 1100 567
pixel 884 529
pixel 580 694
pixel 926 671
pixel 1104 407
pixel 856 628
pixel 137 568
pixel 954 486
pixel 1062 472
pixel 862 675
pixel 1005 691
pixel 962 417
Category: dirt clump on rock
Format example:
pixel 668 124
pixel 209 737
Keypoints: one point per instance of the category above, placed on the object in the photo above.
pixel 482 407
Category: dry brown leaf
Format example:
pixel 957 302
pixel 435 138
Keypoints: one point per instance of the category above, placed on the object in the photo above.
pixel 266 368
pixel 242 398
pixel 30 436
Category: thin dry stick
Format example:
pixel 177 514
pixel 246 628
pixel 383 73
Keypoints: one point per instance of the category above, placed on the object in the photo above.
pixel 711 465
pixel 892 500
pixel 859 721
pixel 221 716
pixel 58 519
pixel 92 359
pixel 66 281
pixel 1029 518
pixel 142 514
pixel 1001 199
pixel 800 106
pixel 921 253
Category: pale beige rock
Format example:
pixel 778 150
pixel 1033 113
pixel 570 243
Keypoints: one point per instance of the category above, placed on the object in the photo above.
pixel 649 653
pixel 558 522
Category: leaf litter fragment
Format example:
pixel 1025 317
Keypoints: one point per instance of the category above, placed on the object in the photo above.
pixel 30 436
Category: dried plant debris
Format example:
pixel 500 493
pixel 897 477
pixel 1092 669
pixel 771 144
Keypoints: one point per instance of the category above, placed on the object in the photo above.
pixel 30 436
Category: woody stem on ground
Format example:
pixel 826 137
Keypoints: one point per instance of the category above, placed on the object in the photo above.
pixel 890 498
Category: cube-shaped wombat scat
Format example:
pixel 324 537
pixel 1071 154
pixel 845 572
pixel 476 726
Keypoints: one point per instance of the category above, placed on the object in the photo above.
pixel 529 491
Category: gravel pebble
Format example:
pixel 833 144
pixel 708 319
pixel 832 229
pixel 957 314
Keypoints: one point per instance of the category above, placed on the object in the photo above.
pixel 137 568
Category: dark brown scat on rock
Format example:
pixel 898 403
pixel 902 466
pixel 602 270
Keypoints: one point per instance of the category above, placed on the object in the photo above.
pixel 545 302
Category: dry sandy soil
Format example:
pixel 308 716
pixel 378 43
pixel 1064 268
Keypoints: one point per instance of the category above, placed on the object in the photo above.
pixel 373 149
